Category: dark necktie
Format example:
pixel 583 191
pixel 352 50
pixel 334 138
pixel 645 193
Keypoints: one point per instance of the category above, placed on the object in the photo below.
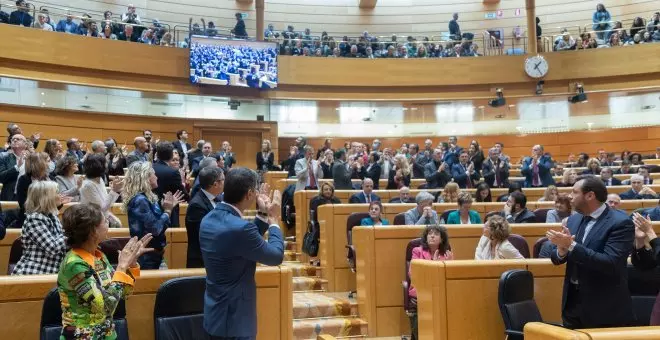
pixel 578 239
pixel 498 178
pixel 469 180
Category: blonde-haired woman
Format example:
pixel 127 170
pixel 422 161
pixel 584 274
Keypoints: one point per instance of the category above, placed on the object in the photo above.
pixel 400 174
pixel 36 169
pixel 145 215
pixel 265 157
pixel 569 178
pixel 494 243
pixel 550 194
pixel 449 193
pixel 593 167
pixel 42 235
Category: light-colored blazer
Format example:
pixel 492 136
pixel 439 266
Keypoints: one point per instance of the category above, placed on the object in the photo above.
pixel 302 173
pixel 504 250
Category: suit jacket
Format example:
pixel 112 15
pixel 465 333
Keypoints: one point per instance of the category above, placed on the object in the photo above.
pixel 302 173
pixel 373 173
pixel 8 176
pixel 600 262
pixel 544 165
pixel 229 157
pixel 391 184
pixel 361 198
pixel 134 156
pixel 525 216
pixel 169 180
pixel 418 164
pixel 647 259
pixel 194 155
pixel 451 157
pixel 615 181
pixel 461 177
pixel 632 195
pixel 341 176
pixel 265 163
pixel 654 213
pixel 231 248
pixel 198 207
pixel 488 173
pixel 435 179
pixel 179 148
pixel 398 200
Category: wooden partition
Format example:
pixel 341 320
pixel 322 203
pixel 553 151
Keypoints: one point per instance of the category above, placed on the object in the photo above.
pixel 175 255
pixel 21 300
pixel 544 331
pixel 273 177
pixel 454 295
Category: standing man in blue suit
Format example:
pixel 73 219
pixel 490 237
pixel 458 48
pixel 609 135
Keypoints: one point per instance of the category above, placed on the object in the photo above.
pixel 453 151
pixel 594 244
pixel 464 173
pixel 231 248
pixel 536 169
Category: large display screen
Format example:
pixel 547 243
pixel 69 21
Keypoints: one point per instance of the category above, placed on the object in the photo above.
pixel 227 62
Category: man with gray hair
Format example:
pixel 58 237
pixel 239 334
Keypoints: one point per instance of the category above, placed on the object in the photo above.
pixel 367 195
pixel 206 162
pixel 196 153
pixel 98 147
pixel 638 190
pixel 495 170
pixel 423 214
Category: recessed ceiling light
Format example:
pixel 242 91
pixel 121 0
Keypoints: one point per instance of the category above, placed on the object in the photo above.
pixel 43 94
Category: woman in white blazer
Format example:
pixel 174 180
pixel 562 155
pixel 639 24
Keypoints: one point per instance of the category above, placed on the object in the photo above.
pixel 493 244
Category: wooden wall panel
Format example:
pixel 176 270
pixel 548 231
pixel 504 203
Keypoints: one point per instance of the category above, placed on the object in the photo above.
pixel 643 140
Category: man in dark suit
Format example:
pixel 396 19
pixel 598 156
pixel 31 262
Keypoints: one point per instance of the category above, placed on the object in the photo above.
pixel 595 244
pixel 653 213
pixel 373 169
pixel 606 175
pixel 638 191
pixel 227 154
pixel 536 169
pixel 341 174
pixel 231 248
pixel 437 171
pixel 169 179
pixel 453 151
pixel 212 182
pixel 404 196
pixel 73 149
pixel 417 160
pixel 367 195
pixel 644 172
pixel 181 145
pixel 12 163
pixel 495 170
pixel 195 155
pixel 515 209
pixel 207 151
pixel 464 173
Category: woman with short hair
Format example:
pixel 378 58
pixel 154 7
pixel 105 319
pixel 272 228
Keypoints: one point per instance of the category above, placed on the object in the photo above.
pixel 54 150
pixel 145 215
pixel 375 215
pixel 435 246
pixel 67 182
pixel 90 289
pixel 464 215
pixel 36 169
pixel 494 243
pixel 41 235
pixel 561 211
pixel 115 158
pixel 449 193
pixel 569 178
pixel 93 188
pixel 326 196
pixel 550 194
pixel 593 167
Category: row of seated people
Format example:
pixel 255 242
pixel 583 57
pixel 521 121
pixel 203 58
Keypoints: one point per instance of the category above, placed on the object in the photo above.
pixel 448 162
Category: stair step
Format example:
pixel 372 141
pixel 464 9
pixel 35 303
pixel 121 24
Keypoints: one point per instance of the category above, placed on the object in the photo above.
pixel 307 305
pixel 304 283
pixel 300 269
pixel 337 327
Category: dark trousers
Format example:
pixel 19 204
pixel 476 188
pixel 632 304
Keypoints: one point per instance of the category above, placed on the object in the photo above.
pixel 151 260
pixel 571 313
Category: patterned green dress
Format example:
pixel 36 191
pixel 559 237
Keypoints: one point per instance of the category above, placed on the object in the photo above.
pixel 90 290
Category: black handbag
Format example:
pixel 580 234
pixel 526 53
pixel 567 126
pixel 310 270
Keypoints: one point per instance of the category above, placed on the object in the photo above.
pixel 311 239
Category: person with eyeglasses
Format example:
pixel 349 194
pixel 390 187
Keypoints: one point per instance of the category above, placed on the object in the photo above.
pixel 12 165
pixel 212 183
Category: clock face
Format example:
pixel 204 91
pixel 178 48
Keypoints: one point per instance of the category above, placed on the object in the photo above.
pixel 536 67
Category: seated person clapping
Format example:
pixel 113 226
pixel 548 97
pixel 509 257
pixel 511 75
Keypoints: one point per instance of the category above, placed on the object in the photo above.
pixel 464 215
pixel 375 215
pixel 638 190
pixel 493 244
pixel 435 246
pixel 561 211
pixel 423 213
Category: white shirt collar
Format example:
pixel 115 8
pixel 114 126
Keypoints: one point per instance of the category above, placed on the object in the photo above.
pixel 236 209
pixel 209 196
pixel 596 214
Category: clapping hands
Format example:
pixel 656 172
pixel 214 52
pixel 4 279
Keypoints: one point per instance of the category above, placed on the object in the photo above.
pixel 172 200
pixel 132 251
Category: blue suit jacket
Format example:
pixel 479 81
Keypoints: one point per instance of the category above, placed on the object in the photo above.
pixel 451 158
pixel 545 164
pixel 231 248
pixel 461 178
pixel 601 269
pixel 361 198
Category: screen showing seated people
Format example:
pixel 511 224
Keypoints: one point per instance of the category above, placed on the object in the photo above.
pixel 226 62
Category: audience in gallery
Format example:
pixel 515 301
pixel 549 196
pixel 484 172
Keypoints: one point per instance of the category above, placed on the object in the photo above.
pixel 423 213
pixel 464 215
pixel 375 215
pixel 562 209
pixel 435 246
pixel 494 243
